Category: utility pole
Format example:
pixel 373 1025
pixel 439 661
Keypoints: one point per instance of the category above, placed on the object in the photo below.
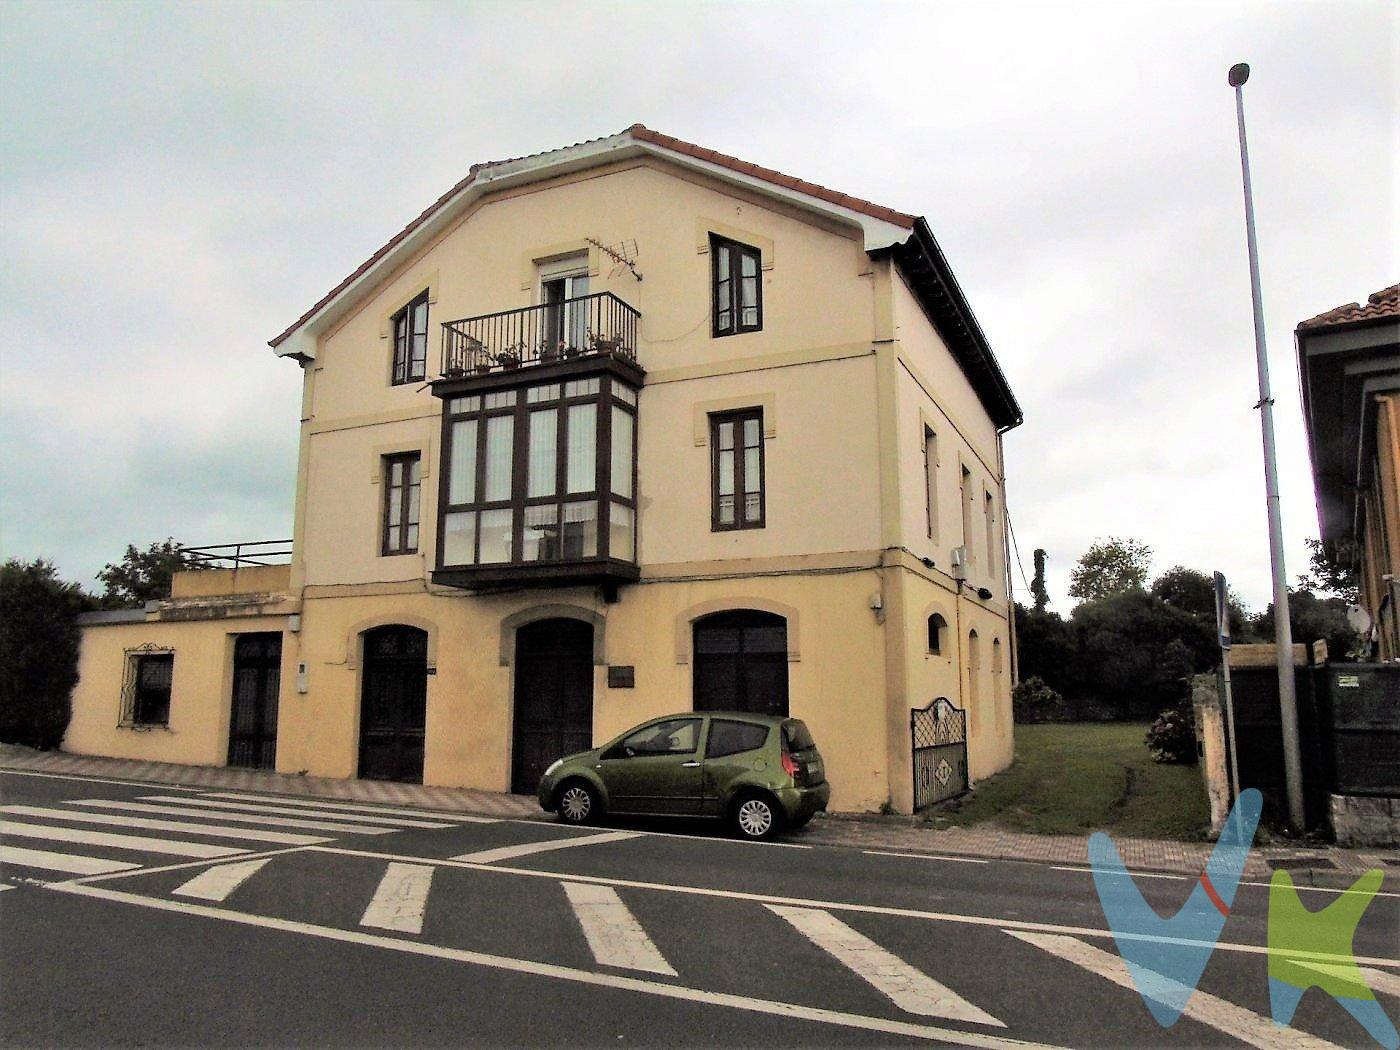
pixel 1283 633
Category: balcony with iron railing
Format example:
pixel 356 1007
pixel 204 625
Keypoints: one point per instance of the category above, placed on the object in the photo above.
pixel 583 330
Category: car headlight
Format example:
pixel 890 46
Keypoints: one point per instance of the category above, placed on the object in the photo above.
pixel 557 763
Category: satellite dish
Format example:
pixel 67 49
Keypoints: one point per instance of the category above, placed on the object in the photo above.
pixel 1359 619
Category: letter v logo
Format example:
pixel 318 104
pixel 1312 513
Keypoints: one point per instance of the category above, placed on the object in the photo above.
pixel 1167 956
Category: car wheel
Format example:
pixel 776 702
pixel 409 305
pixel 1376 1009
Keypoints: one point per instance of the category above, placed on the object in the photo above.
pixel 756 817
pixel 577 803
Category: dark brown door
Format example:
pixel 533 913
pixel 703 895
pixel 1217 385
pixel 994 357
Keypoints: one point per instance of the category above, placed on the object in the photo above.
pixel 394 704
pixel 553 697
pixel 741 662
pixel 257 676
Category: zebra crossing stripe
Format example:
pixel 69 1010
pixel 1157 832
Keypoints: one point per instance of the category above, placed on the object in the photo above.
pixel 236 818
pixel 294 811
pixel 488 856
pixel 1220 1014
pixel 614 935
pixel 401 899
pixel 87 837
pixel 392 811
pixel 72 864
pixel 207 830
pixel 910 989
pixel 216 883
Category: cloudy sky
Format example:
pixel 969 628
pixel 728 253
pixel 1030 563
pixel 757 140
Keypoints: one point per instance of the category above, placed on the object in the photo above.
pixel 178 182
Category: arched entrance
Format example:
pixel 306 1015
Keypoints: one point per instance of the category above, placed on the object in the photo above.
pixel 741 662
pixel 394 703
pixel 553 697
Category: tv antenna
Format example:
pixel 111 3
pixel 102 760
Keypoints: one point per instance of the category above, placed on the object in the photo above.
pixel 624 253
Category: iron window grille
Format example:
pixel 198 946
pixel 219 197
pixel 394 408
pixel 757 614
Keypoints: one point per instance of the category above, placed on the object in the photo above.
pixel 402 503
pixel 146 682
pixel 736 286
pixel 410 331
pixel 737 470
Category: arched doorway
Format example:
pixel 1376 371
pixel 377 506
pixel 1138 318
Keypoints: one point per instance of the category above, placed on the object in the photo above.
pixel 553 697
pixel 974 681
pixel 394 703
pixel 257 674
pixel 741 662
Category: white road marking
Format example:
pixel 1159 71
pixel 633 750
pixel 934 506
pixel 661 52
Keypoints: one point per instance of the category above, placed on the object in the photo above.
pixel 236 818
pixel 103 838
pixel 187 864
pixel 790 1011
pixel 925 856
pixel 401 899
pixel 488 856
pixel 431 814
pixel 1378 980
pixel 67 862
pixel 395 822
pixel 866 909
pixel 216 883
pixel 1130 874
pixel 207 830
pixel 5 886
pixel 1220 1014
pixel 614 935
pixel 909 989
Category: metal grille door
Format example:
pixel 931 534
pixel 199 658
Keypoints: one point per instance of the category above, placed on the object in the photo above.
pixel 939 735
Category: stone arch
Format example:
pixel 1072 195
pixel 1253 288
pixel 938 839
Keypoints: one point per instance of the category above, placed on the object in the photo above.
pixel 685 622
pixel 354 639
pixel 553 611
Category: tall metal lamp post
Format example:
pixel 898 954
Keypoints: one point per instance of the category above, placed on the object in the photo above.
pixel 1283 633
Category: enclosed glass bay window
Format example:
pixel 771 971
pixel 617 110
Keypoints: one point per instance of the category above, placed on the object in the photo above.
pixel 540 474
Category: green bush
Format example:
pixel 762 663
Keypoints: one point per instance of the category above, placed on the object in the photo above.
pixel 1034 701
pixel 38 652
pixel 1172 736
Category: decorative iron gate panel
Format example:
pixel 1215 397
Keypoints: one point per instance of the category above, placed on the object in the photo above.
pixel 939 735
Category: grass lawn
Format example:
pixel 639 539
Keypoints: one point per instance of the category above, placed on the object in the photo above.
pixel 1070 779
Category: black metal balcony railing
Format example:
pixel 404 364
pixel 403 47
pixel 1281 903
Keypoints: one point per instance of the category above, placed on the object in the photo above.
pixel 237 555
pixel 600 323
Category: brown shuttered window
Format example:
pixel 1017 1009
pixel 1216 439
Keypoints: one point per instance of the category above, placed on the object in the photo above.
pixel 737 470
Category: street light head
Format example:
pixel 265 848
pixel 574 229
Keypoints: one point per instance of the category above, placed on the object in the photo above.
pixel 1239 74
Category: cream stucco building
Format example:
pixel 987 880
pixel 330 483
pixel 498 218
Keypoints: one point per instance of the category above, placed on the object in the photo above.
pixel 607 432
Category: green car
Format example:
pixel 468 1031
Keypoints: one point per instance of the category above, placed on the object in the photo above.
pixel 763 773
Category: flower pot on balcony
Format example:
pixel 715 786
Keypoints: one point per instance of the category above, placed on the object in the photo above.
pixel 571 352
pixel 509 360
pixel 549 353
pixel 453 372
pixel 482 367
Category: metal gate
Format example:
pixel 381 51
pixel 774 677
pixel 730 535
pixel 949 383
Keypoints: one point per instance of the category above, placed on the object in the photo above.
pixel 939 735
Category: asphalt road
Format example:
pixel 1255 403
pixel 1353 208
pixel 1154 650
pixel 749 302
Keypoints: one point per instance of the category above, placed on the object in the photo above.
pixel 222 918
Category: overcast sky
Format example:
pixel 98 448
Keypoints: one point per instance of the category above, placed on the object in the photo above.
pixel 179 182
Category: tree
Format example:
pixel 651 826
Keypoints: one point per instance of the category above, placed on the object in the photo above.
pixel 1192 591
pixel 1038 591
pixel 1134 650
pixel 1310 618
pixel 39 639
pixel 1110 566
pixel 1045 648
pixel 143 575
pixel 1329 572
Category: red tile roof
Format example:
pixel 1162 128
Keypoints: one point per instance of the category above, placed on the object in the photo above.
pixel 641 133
pixel 1379 305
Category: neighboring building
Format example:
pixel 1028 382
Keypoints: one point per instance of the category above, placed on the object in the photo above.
pixel 1349 361
pixel 700 435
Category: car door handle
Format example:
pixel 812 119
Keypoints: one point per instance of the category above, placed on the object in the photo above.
pixel 690 765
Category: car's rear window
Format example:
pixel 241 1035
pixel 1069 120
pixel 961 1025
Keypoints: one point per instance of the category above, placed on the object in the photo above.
pixel 796 736
pixel 730 738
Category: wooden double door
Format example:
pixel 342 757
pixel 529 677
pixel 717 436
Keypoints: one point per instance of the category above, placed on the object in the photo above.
pixel 553 697
pixel 257 677
pixel 394 703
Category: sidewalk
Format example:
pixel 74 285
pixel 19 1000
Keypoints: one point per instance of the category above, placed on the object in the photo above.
pixel 1327 866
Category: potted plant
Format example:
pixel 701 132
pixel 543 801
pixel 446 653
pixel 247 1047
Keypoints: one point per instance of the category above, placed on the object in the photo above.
pixel 508 359
pixel 550 353
pixel 454 371
pixel 483 364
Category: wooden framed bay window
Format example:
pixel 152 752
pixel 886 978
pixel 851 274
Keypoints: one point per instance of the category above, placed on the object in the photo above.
pixel 737 497
pixel 736 287
pixel 539 475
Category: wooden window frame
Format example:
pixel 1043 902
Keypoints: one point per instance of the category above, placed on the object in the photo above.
pixel 606 398
pixel 408 459
pixel 737 252
pixel 738 417
pixel 930 479
pixel 401 369
pixel 134 713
